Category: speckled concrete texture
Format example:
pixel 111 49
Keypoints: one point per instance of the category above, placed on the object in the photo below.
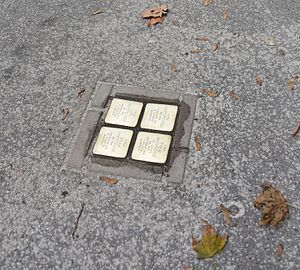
pixel 51 48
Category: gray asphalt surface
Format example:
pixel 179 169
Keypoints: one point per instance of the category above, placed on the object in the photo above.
pixel 51 48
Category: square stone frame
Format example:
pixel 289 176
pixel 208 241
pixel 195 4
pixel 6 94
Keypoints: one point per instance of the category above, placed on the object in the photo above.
pixel 93 119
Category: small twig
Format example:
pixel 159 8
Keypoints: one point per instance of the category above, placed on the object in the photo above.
pixel 80 92
pixel 66 112
pixel 293 205
pixel 233 95
pixel 96 12
pixel 204 221
pixel 77 221
pixel 202 38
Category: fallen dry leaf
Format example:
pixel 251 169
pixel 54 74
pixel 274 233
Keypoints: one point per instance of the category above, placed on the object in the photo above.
pixel 226 15
pixel 259 80
pixel 96 12
pixel 80 92
pixel 292 81
pixel 173 67
pixel 198 144
pixel 156 12
pixel 108 180
pixel 202 38
pixel 273 204
pixel 198 51
pixel 210 93
pixel 271 41
pixel 227 214
pixel 66 112
pixel 154 21
pixel 297 130
pixel 210 244
pixel 233 95
pixel 215 46
pixel 279 249
pixel 206 2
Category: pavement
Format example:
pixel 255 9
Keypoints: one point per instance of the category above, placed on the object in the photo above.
pixel 49 49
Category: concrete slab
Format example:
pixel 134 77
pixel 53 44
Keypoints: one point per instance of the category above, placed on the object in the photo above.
pixel 82 140
pixel 105 94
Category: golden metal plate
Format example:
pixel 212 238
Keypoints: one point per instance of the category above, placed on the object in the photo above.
pixel 124 112
pixel 113 142
pixel 151 147
pixel 159 117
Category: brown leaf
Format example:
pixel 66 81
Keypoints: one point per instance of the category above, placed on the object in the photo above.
pixel 227 214
pixel 80 92
pixel 210 93
pixel 297 130
pixel 259 80
pixel 202 38
pixel 108 180
pixel 96 12
pixel 173 67
pixel 210 243
pixel 198 144
pixel 233 95
pixel 156 12
pixel 198 51
pixel 66 112
pixel 226 15
pixel 215 46
pixel 154 21
pixel 279 249
pixel 292 82
pixel 273 204
pixel 206 2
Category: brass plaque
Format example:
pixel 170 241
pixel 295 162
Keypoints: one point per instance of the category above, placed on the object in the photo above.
pixel 159 117
pixel 124 112
pixel 151 147
pixel 113 142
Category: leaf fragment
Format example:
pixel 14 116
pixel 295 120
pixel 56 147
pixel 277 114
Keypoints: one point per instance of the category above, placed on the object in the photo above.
pixel 233 95
pixel 198 144
pixel 215 46
pixel 210 243
pixel 227 215
pixel 66 112
pixel 292 82
pixel 259 80
pixel 96 12
pixel 210 93
pixel 154 21
pixel 156 12
pixel 273 205
pixel 173 67
pixel 296 130
pixel 226 15
pixel 206 2
pixel 108 180
pixel 279 250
